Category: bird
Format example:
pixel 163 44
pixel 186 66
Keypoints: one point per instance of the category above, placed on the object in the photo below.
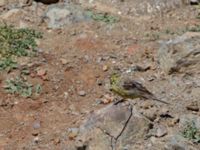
pixel 130 89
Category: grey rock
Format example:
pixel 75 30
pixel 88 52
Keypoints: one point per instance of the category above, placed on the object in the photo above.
pixel 81 93
pixel 59 15
pixel 161 131
pixel 194 2
pixel 184 119
pixel 180 54
pixel 36 124
pixel 47 1
pixel 176 142
pixel 2 2
pixel 113 126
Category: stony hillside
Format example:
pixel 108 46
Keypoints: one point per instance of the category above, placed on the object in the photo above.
pixel 56 59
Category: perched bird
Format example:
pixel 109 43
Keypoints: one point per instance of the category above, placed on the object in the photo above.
pixel 128 88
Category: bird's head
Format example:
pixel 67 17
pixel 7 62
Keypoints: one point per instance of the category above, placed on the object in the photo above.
pixel 114 78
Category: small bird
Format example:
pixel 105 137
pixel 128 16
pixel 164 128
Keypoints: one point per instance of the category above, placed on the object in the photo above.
pixel 128 88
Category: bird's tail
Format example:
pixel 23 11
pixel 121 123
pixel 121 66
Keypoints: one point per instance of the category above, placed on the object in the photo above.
pixel 156 99
pixel 151 96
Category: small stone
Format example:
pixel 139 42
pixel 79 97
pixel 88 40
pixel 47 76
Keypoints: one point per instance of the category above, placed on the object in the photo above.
pixel 105 68
pixel 63 61
pixel 161 131
pixel 193 106
pixel 36 140
pixel 2 2
pixel 174 121
pixel 56 141
pixel 194 2
pixel 35 133
pixel 41 72
pixel 82 93
pixel 36 124
pixel 66 95
pixel 107 99
pixel 73 132
pixel 100 83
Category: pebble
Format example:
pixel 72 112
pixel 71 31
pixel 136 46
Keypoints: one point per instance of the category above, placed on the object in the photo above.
pixel 81 93
pixel 105 68
pixel 193 106
pixel 2 2
pixel 56 141
pixel 161 131
pixel 73 132
pixel 36 140
pixel 35 133
pixel 41 72
pixel 194 2
pixel 107 99
pixel 64 61
pixel 36 124
pixel 66 95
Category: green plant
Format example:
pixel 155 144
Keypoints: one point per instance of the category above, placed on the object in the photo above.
pixel 198 16
pixel 153 36
pixel 8 63
pixel 194 28
pixel 102 16
pixel 191 132
pixel 18 86
pixel 38 89
pixel 21 87
pixel 16 43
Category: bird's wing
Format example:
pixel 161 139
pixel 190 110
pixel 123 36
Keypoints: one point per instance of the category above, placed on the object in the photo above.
pixel 131 84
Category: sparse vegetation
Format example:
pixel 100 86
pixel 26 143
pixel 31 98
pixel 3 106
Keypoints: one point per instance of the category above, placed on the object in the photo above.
pixel 191 132
pixel 153 36
pixel 102 16
pixel 21 87
pixel 8 63
pixel 194 28
pixel 15 43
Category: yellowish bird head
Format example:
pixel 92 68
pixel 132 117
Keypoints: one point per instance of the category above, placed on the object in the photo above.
pixel 114 78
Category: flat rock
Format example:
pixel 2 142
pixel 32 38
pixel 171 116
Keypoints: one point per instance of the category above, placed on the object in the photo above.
pixel 176 142
pixel 184 119
pixel 58 15
pixel 112 126
pixel 180 54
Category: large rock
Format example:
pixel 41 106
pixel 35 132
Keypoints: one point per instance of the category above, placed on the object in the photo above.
pixel 184 119
pixel 2 2
pixel 112 127
pixel 177 141
pixel 180 54
pixel 59 15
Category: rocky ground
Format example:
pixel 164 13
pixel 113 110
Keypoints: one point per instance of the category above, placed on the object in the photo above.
pixel 155 42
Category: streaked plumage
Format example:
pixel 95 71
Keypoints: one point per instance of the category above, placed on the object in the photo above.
pixel 128 88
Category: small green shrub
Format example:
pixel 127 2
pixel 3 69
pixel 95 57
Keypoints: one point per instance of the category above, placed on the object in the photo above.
pixel 191 132
pixel 16 43
pixel 21 87
pixel 102 16
pixel 194 28
pixel 8 63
